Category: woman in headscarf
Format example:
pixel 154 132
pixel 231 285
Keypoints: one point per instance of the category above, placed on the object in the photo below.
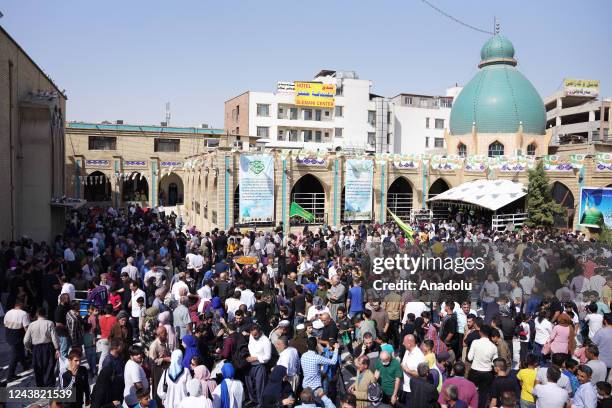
pixel 149 325
pixel 191 350
pixel 165 319
pixel 201 373
pixel 172 387
pixel 277 389
pixel 229 393
pixel 195 398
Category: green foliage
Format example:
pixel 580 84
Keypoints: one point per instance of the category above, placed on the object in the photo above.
pixel 541 207
pixel 605 236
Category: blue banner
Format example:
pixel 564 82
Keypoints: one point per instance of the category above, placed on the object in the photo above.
pixel 256 178
pixel 358 178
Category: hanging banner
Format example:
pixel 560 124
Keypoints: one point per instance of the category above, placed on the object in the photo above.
pixel 595 207
pixel 407 161
pixel 311 158
pixel 359 175
pixel 450 162
pixel 512 164
pixel 603 162
pixel 554 162
pixel 256 178
pixel 477 163
pixel 577 160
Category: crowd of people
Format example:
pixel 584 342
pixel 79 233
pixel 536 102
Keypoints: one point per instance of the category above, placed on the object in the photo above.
pixel 128 308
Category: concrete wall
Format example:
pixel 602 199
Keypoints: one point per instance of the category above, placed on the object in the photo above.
pixel 31 150
pixel 408 128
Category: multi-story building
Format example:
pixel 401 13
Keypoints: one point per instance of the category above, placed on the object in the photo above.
pixel 32 112
pixel 575 114
pixel 114 164
pixel 418 123
pixel 347 120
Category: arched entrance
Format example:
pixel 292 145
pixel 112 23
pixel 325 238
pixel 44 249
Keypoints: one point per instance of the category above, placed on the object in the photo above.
pixel 562 195
pixel 135 188
pixel 439 210
pixel 171 190
pixel 399 198
pixel 97 187
pixel 309 193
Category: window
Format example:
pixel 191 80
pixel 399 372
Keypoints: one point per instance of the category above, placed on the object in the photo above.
pixel 438 142
pixel 462 150
pixel 318 114
pixel 531 149
pixel 281 134
pixel 372 118
pixel 446 103
pixel 426 141
pixel 237 130
pixel 307 114
pixel 327 113
pixel 372 138
pixel 167 145
pixel 293 113
pixel 318 136
pixel 292 135
pixel 102 143
pixel 263 131
pixel 338 132
pixel 388 118
pixel 339 111
pixel 307 134
pixel 326 135
pixel 426 123
pixel 439 123
pixel 263 110
pixel 496 149
pixel 339 90
pixel 281 112
pixel 407 100
pixel 212 142
pixel 389 138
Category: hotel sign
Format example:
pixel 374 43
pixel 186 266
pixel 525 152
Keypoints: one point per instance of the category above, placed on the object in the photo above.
pixel 315 94
pixel 581 87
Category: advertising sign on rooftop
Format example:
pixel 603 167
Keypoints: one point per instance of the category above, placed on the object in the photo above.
pixel 315 94
pixel 581 87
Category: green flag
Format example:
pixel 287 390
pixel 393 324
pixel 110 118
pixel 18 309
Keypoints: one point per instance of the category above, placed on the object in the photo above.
pixel 408 231
pixel 297 210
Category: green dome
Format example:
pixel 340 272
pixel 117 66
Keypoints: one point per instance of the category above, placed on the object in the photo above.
pixel 499 97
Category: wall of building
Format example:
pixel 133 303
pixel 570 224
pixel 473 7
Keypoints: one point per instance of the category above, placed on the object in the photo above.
pixel 236 120
pixel 219 174
pixel 32 112
pixel 134 157
pixel 409 131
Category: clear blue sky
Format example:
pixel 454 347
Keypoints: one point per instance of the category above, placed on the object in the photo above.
pixel 123 59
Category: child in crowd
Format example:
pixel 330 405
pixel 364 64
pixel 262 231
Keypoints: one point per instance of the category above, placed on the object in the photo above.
pixel 569 369
pixel 430 357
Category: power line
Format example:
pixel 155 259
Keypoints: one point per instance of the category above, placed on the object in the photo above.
pixel 456 20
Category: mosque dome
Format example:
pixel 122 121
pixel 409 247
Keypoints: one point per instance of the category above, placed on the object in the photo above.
pixel 499 98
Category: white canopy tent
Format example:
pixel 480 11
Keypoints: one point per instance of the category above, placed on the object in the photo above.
pixel 488 194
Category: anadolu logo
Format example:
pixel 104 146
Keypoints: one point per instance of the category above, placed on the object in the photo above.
pixel 256 166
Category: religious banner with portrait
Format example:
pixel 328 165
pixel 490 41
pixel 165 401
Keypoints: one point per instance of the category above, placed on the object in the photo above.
pixel 256 182
pixel 359 175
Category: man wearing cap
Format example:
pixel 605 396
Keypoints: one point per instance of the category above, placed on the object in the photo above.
pixel 282 330
pixel 260 352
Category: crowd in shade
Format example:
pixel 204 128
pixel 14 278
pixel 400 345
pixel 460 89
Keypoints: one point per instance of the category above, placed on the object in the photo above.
pixel 128 307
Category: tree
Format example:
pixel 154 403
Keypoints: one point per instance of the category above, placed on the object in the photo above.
pixel 605 236
pixel 541 207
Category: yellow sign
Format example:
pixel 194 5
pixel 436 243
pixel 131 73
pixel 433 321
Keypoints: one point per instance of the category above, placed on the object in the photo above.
pixel 581 87
pixel 315 94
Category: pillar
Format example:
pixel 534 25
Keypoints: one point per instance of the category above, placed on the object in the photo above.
pixel 77 177
pixel 153 189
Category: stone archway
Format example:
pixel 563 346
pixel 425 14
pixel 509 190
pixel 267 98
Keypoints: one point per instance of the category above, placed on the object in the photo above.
pixel 97 188
pixel 438 210
pixel 563 196
pixel 309 193
pixel 399 198
pixel 171 190
pixel 135 188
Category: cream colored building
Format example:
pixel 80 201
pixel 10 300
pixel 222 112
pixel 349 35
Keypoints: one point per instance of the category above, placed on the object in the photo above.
pixel 113 164
pixel 32 112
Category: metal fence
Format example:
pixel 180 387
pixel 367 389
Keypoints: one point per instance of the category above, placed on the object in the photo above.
pixel 314 203
pixel 400 204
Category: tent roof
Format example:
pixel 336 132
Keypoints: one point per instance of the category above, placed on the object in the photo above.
pixel 490 194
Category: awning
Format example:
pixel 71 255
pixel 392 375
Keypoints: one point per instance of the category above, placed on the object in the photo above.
pixel 490 194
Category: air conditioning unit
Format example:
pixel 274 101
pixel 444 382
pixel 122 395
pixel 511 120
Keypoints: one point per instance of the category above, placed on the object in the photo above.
pixel 119 122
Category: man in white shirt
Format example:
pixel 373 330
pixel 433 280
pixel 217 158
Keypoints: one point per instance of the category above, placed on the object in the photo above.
pixel 412 358
pixel 247 297
pixel 16 321
pixel 68 288
pixel 136 293
pixel 482 353
pixel 260 351
pixel 179 286
pixel 130 269
pixel 134 377
pixel 288 357
pixel 195 261
pixel 232 304
pixel 416 308
pixel 550 395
